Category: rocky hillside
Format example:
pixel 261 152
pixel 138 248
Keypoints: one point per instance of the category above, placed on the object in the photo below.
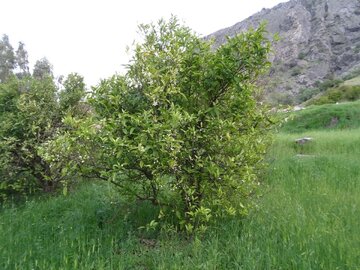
pixel 319 40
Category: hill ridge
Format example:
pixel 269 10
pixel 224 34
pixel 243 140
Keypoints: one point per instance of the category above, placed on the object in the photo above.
pixel 319 40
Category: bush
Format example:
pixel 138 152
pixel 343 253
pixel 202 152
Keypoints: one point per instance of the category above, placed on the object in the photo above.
pixel 334 95
pixel 338 94
pixel 301 55
pixel 181 129
pixel 296 71
pixel 352 93
pixel 354 73
pixel 329 84
pixel 30 119
pixel 307 93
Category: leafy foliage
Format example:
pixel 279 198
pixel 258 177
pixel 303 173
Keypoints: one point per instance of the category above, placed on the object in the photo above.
pixel 42 69
pixel 307 93
pixel 327 84
pixel 22 61
pixel 28 122
pixel 72 94
pixel 12 62
pixel 181 129
pixel 338 94
pixel 7 58
pixel 30 118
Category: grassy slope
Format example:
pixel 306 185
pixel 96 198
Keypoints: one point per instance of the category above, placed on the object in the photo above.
pixel 308 218
pixel 320 117
pixel 353 81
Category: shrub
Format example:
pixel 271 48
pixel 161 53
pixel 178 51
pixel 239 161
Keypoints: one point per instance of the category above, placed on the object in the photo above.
pixel 30 118
pixel 322 100
pixel 307 93
pixel 301 55
pixel 329 84
pixel 354 73
pixel 181 129
pixel 25 124
pixel 357 49
pixel 334 95
pixel 352 93
pixel 296 71
pixel 338 94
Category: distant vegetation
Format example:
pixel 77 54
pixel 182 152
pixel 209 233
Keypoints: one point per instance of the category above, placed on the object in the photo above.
pixel 329 91
pixel 332 91
pixel 337 94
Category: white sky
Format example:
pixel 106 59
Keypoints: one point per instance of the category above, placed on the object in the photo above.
pixel 90 36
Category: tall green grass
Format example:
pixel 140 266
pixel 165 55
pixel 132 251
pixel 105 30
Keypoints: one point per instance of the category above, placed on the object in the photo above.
pixel 308 217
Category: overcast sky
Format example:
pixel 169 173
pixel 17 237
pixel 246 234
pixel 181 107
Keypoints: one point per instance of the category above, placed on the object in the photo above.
pixel 90 36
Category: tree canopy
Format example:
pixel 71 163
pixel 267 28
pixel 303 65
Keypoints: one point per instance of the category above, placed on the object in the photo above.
pixel 181 128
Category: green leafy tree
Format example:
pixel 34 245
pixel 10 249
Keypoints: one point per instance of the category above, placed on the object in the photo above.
pixel 181 129
pixel 22 61
pixel 72 93
pixel 30 119
pixel 43 69
pixel 7 58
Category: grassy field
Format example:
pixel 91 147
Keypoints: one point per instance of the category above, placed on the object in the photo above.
pixel 308 217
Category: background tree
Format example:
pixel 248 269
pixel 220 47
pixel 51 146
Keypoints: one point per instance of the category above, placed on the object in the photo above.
pixel 7 58
pixel 72 93
pixel 31 112
pixel 22 61
pixel 181 129
pixel 43 69
pixel 30 119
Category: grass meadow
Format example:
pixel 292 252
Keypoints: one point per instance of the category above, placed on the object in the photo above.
pixel 307 217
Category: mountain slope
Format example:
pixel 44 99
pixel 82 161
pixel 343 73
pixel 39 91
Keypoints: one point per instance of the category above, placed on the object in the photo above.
pixel 319 40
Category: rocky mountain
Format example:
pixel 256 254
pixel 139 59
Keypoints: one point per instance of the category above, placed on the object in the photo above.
pixel 319 40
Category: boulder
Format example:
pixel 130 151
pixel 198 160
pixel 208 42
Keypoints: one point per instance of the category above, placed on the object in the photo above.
pixel 302 141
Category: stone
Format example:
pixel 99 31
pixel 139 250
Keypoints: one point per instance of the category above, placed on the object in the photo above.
pixel 333 122
pixel 304 140
pixel 304 156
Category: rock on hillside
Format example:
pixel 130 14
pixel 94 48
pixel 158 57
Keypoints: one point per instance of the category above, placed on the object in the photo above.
pixel 319 40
